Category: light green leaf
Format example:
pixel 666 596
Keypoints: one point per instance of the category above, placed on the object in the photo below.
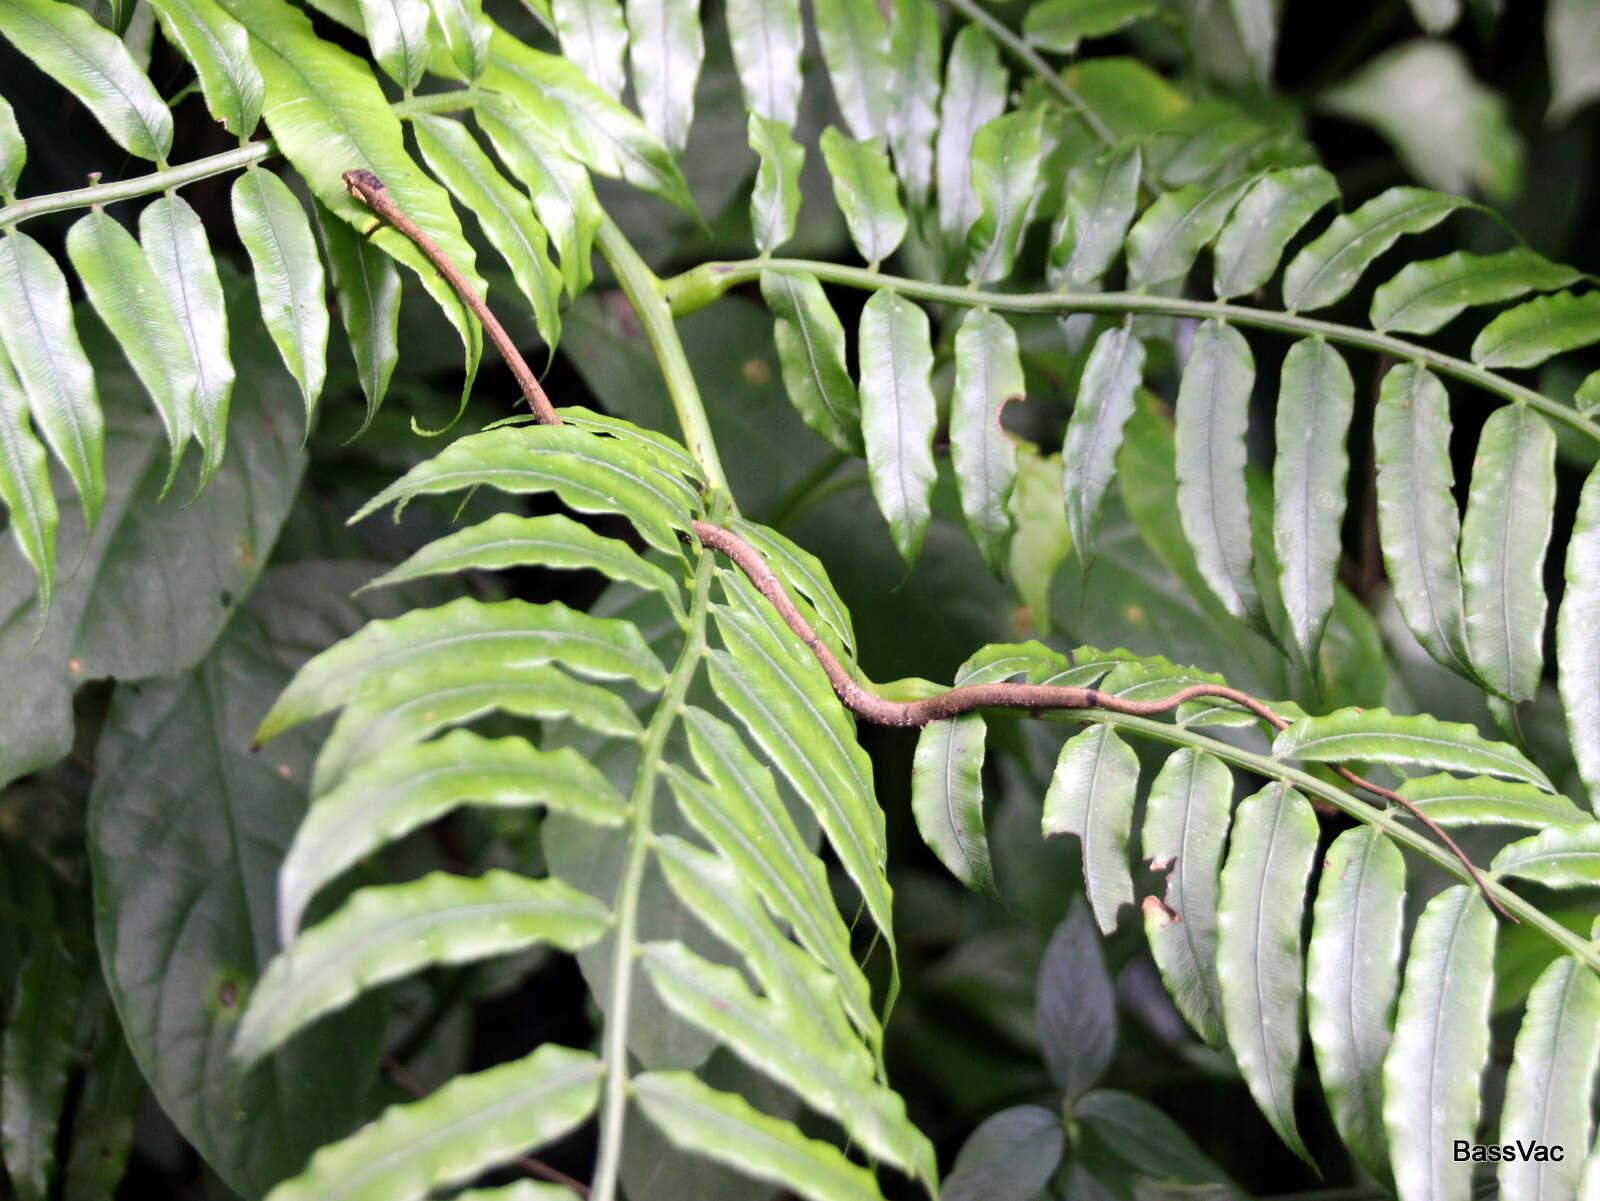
pixel 37 1057
pixel 388 931
pixel 1042 540
pixel 1552 1074
pixel 1557 857
pixel 466 33
pixel 68 45
pixel 1352 979
pixel 25 486
pixel 1436 16
pixel 974 95
pixel 1276 207
pixel 132 303
pixel 367 286
pixel 410 786
pixel 1094 432
pixel 865 189
pixel 1418 523
pixel 1533 332
pixel 473 1123
pixel 1587 398
pixel 13 150
pixel 767 39
pixel 1441 1043
pixel 1424 296
pixel 1213 410
pixel 502 211
pixel 775 200
pixel 1257 23
pixel 1330 265
pixel 1163 243
pixel 988 376
pixel 274 229
pixel 1091 795
pixel 1316 397
pixel 43 346
pixel 1059 25
pixel 665 51
pixel 397 31
pixel 594 35
pixel 1100 202
pixel 1509 512
pixel 855 45
pixel 1185 825
pixel 219 48
pixel 562 195
pixel 1480 800
pixel 898 415
pixel 914 69
pixel 175 246
pixel 1006 161
pixel 811 354
pixel 801 572
pixel 1378 736
pixel 725 1127
pixel 1578 639
pixel 1259 960
pixel 1572 44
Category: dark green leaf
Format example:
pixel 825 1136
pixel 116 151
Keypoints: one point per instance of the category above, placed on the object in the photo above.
pixel 974 94
pixel 219 48
pixel 665 49
pixel 1059 25
pixel 1558 857
pixel 1377 736
pixel 1006 162
pixel 988 376
pixel 1148 1141
pixel 1481 800
pixel 1009 1157
pixel 767 38
pixel 898 415
pixel 25 486
pixel 1330 266
pixel 1163 243
pixel 1094 432
pixel 37 1056
pixel 367 286
pixel 1100 202
pixel 1531 333
pixel 1091 795
pixel 1076 1007
pixel 1423 296
pixel 775 200
pixel 865 188
pixel 103 1122
pixel 811 350
pixel 947 798
pixel 1276 207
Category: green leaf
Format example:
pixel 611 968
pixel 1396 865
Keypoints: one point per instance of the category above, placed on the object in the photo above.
pixel 466 33
pixel 974 95
pixel 130 300
pixel 1059 25
pixel 1147 1140
pixel 1418 523
pixel 1378 736
pixel 489 1117
pixel 562 195
pixel 1352 979
pixel 1006 163
pixel 594 36
pixel 1163 243
pixel 865 189
pixel 1329 266
pixel 1531 333
pixel 588 473
pixel 914 68
pixel 1316 398
pixel 726 1128
pixel 1424 296
pixel 274 229
pixel 1578 639
pixel 898 415
pixel 13 150
pixel 43 346
pixel 802 572
pixel 1509 512
pixel 37 1056
pixel 521 1190
pixel 1094 432
pixel 1587 398
pixel 1185 825
pixel 1213 410
pixel 1479 800
pixel 388 931
pixel 767 38
pixel 1011 1156
pixel 397 31
pixel 68 45
pixel 947 798
pixel 367 286
pixel 25 486
pixel 1259 960
pixel 1552 1072
pixel 1091 795
pixel 811 357
pixel 1276 207
pixel 1436 16
pixel 665 51
pixel 1042 540
pixel 1572 45
pixel 775 200
pixel 1257 23
pixel 1076 1006
pixel 1557 857
pixel 1100 201
pixel 502 211
pixel 411 786
pixel 174 244
pixel 988 376
pixel 103 1121
pixel 1441 1043
pixel 219 48
pixel 855 45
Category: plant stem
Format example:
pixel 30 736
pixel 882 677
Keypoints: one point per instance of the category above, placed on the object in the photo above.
pixel 1027 55
pixel 615 1049
pixel 732 273
pixel 644 292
